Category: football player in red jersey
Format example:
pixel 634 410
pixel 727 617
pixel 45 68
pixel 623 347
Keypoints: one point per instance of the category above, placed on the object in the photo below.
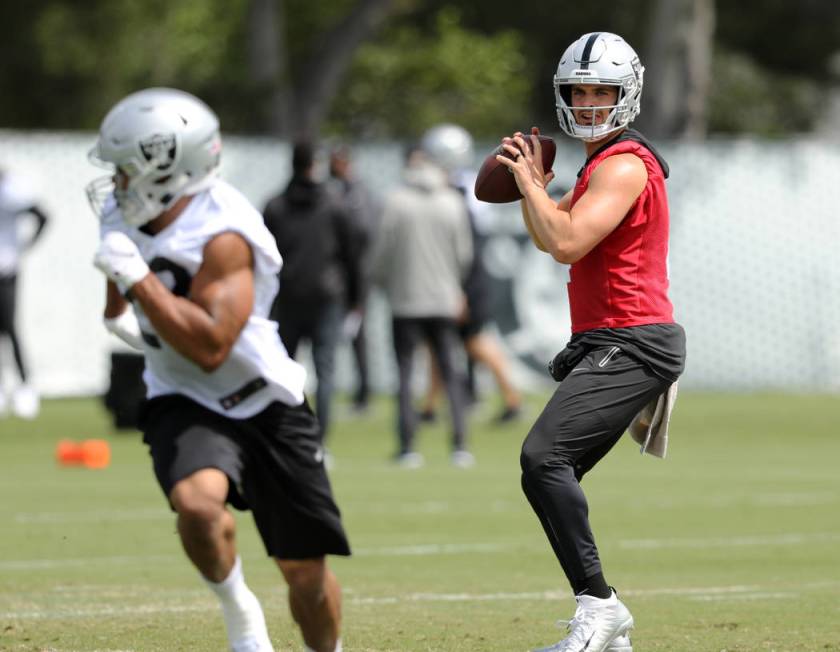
pixel 626 351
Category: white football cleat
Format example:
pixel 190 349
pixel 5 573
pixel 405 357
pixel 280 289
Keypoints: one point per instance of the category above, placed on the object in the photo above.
pixel 462 459
pixel 599 625
pixel 410 460
pixel 621 644
pixel 252 644
pixel 26 403
pixel 338 647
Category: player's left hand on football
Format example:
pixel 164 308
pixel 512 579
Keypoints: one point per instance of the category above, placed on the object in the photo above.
pixel 119 258
pixel 525 160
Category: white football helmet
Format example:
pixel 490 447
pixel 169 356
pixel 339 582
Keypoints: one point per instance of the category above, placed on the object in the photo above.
pixel 599 58
pixel 449 146
pixel 165 141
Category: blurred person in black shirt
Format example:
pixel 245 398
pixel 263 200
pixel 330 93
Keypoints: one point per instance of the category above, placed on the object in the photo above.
pixel 356 199
pixel 321 279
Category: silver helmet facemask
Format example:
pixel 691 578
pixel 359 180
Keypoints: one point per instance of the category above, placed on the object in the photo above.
pixel 599 58
pixel 161 144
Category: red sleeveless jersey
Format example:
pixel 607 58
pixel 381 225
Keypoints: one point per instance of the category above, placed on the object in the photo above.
pixel 623 281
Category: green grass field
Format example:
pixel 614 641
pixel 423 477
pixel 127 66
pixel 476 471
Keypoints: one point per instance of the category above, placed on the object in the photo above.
pixel 732 543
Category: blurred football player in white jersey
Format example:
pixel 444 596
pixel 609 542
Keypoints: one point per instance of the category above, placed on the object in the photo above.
pixel 16 204
pixel 192 272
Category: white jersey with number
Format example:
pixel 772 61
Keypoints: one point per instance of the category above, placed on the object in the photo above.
pixel 15 198
pixel 258 369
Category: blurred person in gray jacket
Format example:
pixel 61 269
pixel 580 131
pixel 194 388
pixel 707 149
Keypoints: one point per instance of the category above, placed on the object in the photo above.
pixel 451 147
pixel 421 256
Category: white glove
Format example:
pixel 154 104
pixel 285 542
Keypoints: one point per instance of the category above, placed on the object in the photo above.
pixel 127 328
pixel 119 258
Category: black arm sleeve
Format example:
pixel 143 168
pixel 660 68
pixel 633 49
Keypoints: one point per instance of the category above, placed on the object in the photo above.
pixel 41 219
pixel 351 247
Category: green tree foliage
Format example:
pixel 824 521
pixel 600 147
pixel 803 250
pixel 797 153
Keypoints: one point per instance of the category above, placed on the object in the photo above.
pixel 544 30
pixel 771 71
pixel 747 98
pixel 781 36
pixel 483 64
pixel 85 56
pixel 412 78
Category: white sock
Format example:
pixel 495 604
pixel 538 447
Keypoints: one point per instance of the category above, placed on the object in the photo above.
pixel 337 647
pixel 244 619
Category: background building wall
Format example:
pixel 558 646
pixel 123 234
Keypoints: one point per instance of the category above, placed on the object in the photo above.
pixel 754 266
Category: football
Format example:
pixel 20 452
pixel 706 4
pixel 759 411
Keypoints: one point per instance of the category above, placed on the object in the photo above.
pixel 495 183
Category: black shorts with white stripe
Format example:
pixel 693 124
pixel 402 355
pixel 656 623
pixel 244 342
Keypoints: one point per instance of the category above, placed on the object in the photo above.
pixel 274 462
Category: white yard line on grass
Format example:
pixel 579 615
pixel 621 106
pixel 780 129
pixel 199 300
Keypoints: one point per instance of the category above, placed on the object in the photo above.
pixel 788 539
pixel 706 594
pixel 94 516
pixel 437 549
pixel 792 499
pixel 49 564
pixel 431 549
pixel 105 611
pixel 724 501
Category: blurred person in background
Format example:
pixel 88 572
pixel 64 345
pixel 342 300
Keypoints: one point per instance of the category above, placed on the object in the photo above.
pixel 451 147
pixel 422 254
pixel 321 282
pixel 192 272
pixel 353 195
pixel 626 351
pixel 17 204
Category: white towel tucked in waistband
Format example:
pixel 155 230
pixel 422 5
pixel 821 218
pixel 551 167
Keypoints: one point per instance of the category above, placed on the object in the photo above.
pixel 650 426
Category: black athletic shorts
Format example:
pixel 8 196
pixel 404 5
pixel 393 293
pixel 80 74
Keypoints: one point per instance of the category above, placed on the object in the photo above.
pixel 8 291
pixel 472 327
pixel 274 461
pixel 479 312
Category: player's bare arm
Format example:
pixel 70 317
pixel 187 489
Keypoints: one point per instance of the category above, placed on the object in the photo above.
pixel 563 204
pixel 569 234
pixel 205 326
pixel 115 303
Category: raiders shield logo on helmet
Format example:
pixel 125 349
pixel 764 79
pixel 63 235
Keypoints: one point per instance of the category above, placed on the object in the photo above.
pixel 160 150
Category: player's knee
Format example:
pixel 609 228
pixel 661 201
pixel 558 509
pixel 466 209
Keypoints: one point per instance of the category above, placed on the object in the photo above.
pixel 533 456
pixel 304 577
pixel 201 496
pixel 195 509
pixel 537 462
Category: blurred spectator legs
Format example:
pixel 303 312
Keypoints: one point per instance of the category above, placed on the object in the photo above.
pixel 441 336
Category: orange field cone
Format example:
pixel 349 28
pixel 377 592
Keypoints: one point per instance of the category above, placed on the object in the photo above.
pixel 92 453
pixel 68 453
pixel 96 453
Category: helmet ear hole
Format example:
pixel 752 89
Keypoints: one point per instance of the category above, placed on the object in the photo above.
pixel 565 91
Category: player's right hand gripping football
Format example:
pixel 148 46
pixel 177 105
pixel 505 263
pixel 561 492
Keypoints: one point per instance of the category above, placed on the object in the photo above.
pixel 119 258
